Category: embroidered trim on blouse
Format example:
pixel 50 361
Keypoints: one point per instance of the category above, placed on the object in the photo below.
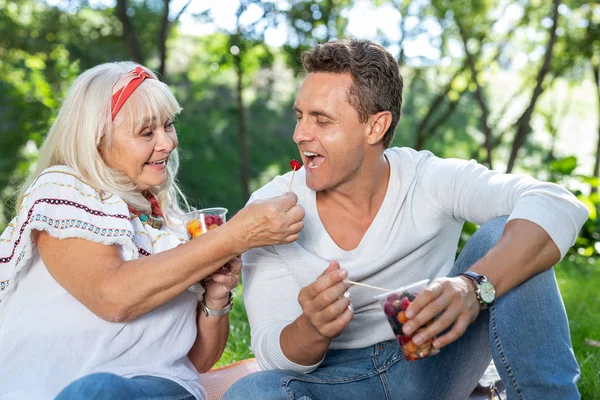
pixel 4 260
pixel 68 186
pixel 98 192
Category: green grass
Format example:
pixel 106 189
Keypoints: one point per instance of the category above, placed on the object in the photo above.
pixel 579 282
pixel 238 345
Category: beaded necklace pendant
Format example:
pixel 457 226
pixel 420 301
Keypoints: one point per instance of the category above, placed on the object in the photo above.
pixel 155 220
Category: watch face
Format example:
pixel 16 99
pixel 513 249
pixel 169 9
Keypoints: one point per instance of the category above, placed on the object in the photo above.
pixel 487 292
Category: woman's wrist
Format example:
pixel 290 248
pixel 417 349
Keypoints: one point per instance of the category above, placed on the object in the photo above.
pixel 233 242
pixel 216 309
pixel 216 302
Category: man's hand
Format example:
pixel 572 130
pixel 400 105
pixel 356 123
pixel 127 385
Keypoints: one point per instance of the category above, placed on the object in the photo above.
pixel 324 304
pixel 326 312
pixel 454 300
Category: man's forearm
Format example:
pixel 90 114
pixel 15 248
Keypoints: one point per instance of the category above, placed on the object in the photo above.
pixel 524 250
pixel 302 344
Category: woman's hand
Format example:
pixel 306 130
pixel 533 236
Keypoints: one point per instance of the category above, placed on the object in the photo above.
pixel 267 222
pixel 219 284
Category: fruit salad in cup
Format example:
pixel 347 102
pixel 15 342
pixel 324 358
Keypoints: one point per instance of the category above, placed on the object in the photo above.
pixel 201 221
pixel 394 306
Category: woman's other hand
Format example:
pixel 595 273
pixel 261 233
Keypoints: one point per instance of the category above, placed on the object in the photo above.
pixel 220 283
pixel 267 222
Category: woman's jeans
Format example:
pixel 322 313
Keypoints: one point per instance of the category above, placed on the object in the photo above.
pixel 105 386
pixel 526 332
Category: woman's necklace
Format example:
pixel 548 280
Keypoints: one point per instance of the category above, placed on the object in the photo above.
pixel 156 219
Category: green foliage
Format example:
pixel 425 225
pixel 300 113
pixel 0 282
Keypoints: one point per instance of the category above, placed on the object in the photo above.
pixel 561 171
pixel 238 345
pixel 579 279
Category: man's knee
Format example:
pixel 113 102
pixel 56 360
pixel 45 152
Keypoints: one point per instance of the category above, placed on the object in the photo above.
pixel 91 386
pixel 490 232
pixel 487 235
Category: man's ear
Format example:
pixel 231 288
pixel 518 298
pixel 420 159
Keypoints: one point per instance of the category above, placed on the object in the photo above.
pixel 378 126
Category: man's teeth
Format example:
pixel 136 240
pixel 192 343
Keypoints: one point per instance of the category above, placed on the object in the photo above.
pixel 309 154
pixel 157 162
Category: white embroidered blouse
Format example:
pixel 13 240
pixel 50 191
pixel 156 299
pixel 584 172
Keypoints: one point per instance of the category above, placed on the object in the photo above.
pixel 47 338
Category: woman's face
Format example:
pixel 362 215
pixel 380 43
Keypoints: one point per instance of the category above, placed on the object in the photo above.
pixel 143 155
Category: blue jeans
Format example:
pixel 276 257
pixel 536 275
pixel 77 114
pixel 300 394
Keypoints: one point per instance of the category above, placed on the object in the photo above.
pixel 105 386
pixel 526 332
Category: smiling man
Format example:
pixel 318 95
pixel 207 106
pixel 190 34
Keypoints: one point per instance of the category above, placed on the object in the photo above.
pixel 392 216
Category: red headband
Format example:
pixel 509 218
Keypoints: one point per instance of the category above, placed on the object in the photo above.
pixel 136 76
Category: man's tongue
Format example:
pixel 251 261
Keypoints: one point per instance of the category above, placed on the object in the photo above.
pixel 316 161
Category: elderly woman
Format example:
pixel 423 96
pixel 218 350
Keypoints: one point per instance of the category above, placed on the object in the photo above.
pixel 95 269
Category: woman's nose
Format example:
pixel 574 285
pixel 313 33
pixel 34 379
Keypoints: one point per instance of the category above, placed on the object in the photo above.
pixel 166 141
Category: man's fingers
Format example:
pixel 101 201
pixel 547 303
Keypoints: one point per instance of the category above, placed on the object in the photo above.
pixel 428 295
pixel 336 326
pixel 326 280
pixel 458 329
pixel 333 265
pixel 332 312
pixel 429 307
pixel 445 320
pixel 331 294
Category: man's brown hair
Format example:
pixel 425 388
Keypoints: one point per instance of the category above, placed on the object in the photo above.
pixel 376 80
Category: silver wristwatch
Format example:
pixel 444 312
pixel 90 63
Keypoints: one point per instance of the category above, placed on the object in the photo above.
pixel 485 291
pixel 209 312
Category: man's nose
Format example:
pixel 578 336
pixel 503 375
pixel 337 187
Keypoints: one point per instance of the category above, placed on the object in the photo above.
pixel 302 132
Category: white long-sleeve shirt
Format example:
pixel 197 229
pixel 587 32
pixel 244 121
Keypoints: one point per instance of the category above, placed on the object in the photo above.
pixel 413 236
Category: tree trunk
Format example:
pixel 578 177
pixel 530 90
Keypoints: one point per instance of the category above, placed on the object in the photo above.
pixel 596 70
pixel 480 97
pixel 523 123
pixel 133 45
pixel 403 16
pixel 162 41
pixel 244 162
pixel 422 132
pixel 327 14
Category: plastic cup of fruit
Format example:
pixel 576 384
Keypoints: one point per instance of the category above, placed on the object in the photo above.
pixel 394 305
pixel 201 221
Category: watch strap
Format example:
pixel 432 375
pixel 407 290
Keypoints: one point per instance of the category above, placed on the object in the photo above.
pixel 209 312
pixel 474 276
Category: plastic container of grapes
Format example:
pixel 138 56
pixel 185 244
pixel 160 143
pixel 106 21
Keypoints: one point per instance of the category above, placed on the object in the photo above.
pixel 394 305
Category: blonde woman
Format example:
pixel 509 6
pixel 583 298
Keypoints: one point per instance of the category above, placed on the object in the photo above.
pixel 95 268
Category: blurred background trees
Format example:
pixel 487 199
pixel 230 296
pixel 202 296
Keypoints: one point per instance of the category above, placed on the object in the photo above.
pixel 512 84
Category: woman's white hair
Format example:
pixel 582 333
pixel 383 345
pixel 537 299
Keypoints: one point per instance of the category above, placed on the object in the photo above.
pixel 84 127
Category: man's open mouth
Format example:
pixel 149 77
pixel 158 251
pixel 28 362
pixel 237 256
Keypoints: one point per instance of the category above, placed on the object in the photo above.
pixel 314 159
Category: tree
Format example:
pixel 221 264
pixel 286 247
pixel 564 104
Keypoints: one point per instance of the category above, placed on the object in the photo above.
pixel 523 126
pixel 139 49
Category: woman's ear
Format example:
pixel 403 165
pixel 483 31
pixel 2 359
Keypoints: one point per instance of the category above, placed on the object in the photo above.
pixel 379 124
